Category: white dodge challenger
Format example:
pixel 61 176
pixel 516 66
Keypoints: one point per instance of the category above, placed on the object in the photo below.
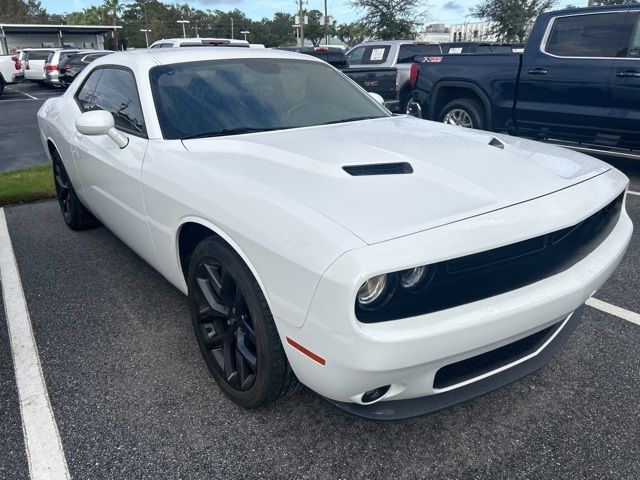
pixel 393 265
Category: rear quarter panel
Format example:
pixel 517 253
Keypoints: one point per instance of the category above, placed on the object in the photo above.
pixel 493 77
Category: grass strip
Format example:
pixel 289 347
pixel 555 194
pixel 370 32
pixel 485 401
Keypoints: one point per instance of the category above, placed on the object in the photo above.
pixel 26 185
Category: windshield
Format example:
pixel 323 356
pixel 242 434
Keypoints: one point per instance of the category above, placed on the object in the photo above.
pixel 227 97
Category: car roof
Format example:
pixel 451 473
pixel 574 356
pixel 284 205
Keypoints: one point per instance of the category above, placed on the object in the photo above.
pixel 199 39
pixel 167 56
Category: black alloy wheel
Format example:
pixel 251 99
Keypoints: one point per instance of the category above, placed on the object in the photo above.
pixel 62 189
pixel 234 327
pixel 75 214
pixel 225 327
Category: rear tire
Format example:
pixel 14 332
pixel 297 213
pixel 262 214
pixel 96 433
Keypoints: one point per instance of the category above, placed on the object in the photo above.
pixel 235 329
pixel 75 214
pixel 1 86
pixel 463 112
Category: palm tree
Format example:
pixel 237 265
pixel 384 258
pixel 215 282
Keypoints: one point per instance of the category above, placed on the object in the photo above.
pixel 114 7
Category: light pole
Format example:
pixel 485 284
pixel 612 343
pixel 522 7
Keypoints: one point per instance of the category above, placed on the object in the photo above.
pixel 183 22
pixel 146 35
pixel 245 33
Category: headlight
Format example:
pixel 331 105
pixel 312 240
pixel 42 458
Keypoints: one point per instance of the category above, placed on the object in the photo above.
pixel 415 279
pixel 374 292
pixel 411 278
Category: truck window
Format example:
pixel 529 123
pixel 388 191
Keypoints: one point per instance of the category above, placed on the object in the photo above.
pixel 409 52
pixel 354 57
pixel 375 54
pixel 594 35
pixel 634 46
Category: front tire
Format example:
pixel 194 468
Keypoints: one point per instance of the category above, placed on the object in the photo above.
pixel 463 112
pixel 75 214
pixel 234 327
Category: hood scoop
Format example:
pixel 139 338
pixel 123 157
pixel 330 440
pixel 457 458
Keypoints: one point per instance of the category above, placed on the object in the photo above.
pixel 494 142
pixel 398 168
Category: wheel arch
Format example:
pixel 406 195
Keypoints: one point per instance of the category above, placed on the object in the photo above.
pixel 191 232
pixel 51 147
pixel 449 90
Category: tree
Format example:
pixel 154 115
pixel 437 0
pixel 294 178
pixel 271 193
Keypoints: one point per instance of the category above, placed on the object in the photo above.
pixel 314 31
pixel 511 19
pixel 114 8
pixel 392 19
pixel 88 16
pixel 352 33
pixel 22 11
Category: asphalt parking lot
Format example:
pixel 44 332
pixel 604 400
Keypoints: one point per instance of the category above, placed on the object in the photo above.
pixel 19 141
pixel 132 397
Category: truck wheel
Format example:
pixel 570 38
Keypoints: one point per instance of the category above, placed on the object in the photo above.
pixel 463 112
pixel 235 329
pixel 76 216
pixel 1 86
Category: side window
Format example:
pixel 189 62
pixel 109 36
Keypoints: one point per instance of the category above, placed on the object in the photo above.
pixel 117 93
pixel 595 35
pixel 375 54
pixel 86 94
pixel 354 57
pixel 634 45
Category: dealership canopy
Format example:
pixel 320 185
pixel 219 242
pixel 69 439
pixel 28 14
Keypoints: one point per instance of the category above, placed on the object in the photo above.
pixel 18 36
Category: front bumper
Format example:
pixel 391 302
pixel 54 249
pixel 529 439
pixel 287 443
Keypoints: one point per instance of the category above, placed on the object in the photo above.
pixel 399 409
pixel 407 354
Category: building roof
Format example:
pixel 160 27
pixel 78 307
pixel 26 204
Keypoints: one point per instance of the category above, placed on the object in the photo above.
pixel 44 28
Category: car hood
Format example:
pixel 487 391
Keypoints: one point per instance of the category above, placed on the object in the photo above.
pixel 457 173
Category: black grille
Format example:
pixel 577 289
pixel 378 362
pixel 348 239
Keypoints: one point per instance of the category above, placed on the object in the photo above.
pixel 474 277
pixel 480 364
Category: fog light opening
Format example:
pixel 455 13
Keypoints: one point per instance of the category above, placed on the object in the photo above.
pixel 375 394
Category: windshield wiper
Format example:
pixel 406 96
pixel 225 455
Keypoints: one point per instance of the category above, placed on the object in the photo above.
pixel 352 119
pixel 233 131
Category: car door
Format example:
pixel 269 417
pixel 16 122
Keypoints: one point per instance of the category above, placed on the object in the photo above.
pixel 110 175
pixel 623 117
pixel 563 89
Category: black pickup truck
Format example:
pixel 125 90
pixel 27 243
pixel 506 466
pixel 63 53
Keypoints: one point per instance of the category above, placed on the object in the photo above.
pixel 576 84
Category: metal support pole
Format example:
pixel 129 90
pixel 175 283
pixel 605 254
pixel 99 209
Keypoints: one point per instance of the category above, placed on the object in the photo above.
pixel 326 26
pixel 301 13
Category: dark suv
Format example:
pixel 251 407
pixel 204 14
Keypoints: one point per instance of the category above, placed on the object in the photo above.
pixel 71 64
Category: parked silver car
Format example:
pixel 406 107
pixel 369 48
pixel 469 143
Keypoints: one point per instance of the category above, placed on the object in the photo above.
pixel 51 65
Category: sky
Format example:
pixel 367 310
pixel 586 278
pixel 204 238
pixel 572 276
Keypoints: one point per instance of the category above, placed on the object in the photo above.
pixel 442 11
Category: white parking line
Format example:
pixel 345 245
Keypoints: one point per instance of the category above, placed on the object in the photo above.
pixel 633 193
pixel 2 100
pixel 20 91
pixel 627 315
pixel 45 455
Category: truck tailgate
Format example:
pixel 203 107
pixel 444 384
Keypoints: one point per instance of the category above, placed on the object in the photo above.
pixel 377 80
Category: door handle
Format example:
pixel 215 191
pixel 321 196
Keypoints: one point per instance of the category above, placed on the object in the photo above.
pixel 538 71
pixel 628 74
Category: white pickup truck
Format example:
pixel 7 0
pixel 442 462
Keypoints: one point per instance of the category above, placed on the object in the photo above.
pixel 10 70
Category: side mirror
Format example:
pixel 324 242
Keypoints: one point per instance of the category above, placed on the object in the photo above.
pixel 100 122
pixel 377 97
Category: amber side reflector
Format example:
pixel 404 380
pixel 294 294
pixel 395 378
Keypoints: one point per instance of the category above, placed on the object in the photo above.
pixel 308 353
